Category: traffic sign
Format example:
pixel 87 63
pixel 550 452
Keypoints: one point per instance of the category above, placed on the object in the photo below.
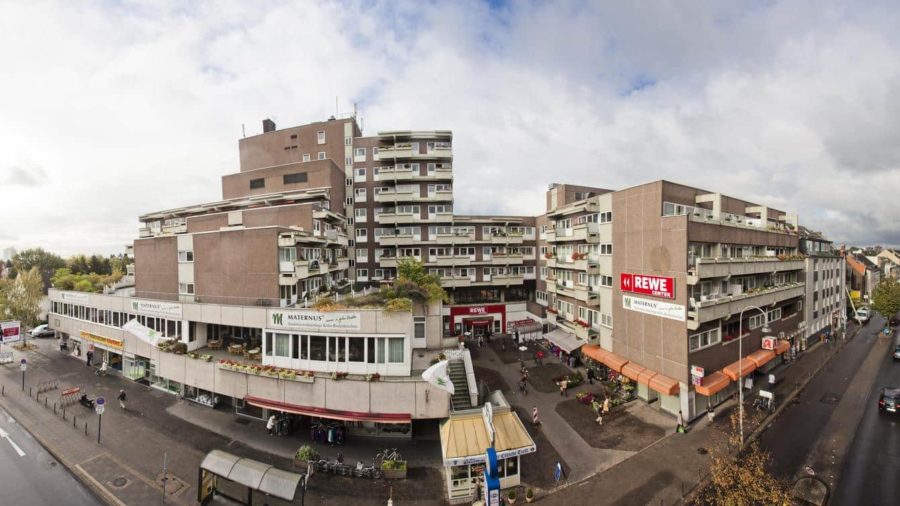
pixel 99 405
pixel 24 365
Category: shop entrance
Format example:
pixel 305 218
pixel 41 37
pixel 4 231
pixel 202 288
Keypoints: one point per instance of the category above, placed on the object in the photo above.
pixel 477 327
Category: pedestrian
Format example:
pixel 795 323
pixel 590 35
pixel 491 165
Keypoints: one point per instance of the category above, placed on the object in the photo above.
pixel 481 341
pixel 710 412
pixel 122 398
pixel 535 417
pixel 523 387
pixel 590 375
pixel 90 357
pixel 517 338
pixel 606 405
pixel 599 419
pixel 564 387
pixel 539 358
pixel 270 425
pixel 487 332
pixel 680 427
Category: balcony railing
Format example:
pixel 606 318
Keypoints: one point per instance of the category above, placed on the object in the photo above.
pixel 701 311
pixel 702 268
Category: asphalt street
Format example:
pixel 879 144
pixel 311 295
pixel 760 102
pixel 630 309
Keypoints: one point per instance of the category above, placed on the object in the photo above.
pixel 31 476
pixel 798 429
pixel 872 468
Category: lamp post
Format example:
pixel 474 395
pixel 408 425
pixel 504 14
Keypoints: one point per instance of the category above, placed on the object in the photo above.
pixel 765 329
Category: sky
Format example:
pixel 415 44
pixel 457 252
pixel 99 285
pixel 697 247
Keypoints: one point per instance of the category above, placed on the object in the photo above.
pixel 113 109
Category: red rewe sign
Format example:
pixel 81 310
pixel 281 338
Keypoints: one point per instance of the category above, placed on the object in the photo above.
pixel 649 285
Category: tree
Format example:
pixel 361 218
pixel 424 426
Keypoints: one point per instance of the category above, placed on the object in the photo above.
pixel 886 297
pixel 46 262
pixel 740 476
pixel 20 298
pixel 421 286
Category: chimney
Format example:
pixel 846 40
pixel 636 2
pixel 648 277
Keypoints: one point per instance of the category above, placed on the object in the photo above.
pixel 268 125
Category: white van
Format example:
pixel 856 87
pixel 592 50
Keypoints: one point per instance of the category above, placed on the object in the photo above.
pixel 862 314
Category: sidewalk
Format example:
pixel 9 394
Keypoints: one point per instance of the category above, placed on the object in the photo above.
pixel 124 468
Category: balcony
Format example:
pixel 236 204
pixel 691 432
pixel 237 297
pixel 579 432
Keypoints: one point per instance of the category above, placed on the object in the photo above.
pixel 343 264
pixel 446 261
pixel 306 268
pixel 507 279
pixel 589 264
pixel 506 259
pixel 551 284
pixel 386 261
pixel 722 267
pixel 701 215
pixel 437 196
pixel 405 150
pixel 439 218
pixel 454 238
pixel 397 196
pixel 398 219
pixel 397 240
pixel 507 239
pixel 703 311
pixel 337 237
pixel 457 281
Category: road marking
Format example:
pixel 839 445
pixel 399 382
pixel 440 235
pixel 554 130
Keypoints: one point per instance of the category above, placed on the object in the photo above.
pixel 5 435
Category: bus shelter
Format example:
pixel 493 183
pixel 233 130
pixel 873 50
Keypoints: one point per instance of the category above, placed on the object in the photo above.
pixel 244 480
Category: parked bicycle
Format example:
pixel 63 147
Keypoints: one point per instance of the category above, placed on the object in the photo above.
pixel 389 454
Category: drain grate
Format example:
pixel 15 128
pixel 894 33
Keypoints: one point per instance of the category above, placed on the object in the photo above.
pixel 242 421
pixel 830 398
pixel 119 483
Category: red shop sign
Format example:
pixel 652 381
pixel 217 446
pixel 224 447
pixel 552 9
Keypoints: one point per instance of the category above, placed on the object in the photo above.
pixel 464 311
pixel 656 286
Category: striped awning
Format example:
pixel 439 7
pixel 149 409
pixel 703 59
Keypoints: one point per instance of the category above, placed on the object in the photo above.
pixel 632 370
pixel 712 384
pixel 739 369
pixel 761 357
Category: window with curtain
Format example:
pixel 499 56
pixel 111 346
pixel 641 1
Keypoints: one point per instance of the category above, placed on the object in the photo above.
pixel 295 349
pixel 317 347
pixel 268 344
pixel 395 350
pixel 282 345
pixel 356 352
pixel 379 352
pixel 370 350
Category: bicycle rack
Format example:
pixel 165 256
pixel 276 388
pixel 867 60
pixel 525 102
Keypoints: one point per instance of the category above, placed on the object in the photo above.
pixel 69 396
pixel 47 386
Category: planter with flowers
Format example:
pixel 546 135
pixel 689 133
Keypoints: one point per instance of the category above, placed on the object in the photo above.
pixel 373 377
pixel 338 375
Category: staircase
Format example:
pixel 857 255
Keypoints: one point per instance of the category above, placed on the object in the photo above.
pixel 460 400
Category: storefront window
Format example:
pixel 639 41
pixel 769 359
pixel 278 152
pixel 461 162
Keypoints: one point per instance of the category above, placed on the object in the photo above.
pixel 395 350
pixel 357 349
pixel 317 347
pixel 370 350
pixel 269 346
pixel 508 467
pixel 282 345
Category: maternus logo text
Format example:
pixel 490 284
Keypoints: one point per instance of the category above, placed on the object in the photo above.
pixel 277 319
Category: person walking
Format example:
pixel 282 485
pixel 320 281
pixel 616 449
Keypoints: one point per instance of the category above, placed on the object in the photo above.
pixel 535 417
pixel 523 386
pixel 270 425
pixel 710 412
pixel 90 357
pixel 122 398
pixel 481 340
pixel 539 358
pixel 680 427
pixel 606 405
pixel 564 387
pixel 590 375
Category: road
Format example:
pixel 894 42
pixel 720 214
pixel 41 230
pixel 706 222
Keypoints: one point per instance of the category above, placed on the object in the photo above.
pixel 872 468
pixel 797 431
pixel 32 476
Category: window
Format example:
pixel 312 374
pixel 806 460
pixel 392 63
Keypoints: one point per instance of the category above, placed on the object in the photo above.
pixel 395 350
pixel 359 153
pixel 362 273
pixel 257 183
pixel 186 288
pixel 606 280
pixel 321 155
pixel 704 339
pixel 317 347
pixel 774 315
pixel 320 137
pixel 360 194
pixel 606 217
pixel 297 177
pixel 756 321
pixel 306 157
pixel 362 255
pixel 185 256
pixel 360 213
pixel 606 320
pixel 419 327
pixel 362 234
pixel 606 249
pixel 356 350
pixel 348 161
pixel 282 345
pixel 349 201
pixel 349 181
pixel 360 174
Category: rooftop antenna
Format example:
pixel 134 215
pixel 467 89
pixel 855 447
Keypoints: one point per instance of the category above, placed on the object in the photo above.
pixel 335 106
pixel 354 109
pixel 243 131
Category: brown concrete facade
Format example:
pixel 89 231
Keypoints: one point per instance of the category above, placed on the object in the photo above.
pixel 647 243
pixel 290 144
pixel 156 268
pixel 236 266
pixel 294 215
pixel 317 174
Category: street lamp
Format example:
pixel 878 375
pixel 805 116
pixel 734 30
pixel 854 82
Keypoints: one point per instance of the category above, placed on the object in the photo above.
pixel 765 330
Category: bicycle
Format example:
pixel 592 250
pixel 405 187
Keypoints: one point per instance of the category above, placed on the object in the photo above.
pixel 389 454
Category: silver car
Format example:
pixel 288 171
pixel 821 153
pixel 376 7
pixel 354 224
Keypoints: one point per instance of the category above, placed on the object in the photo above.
pixel 43 331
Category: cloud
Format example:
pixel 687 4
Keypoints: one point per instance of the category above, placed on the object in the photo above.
pixel 22 175
pixel 137 106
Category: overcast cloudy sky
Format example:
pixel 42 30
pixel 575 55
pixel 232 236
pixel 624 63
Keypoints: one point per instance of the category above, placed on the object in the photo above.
pixel 111 109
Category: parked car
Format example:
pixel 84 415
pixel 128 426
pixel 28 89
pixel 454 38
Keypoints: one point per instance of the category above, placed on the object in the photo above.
pixel 889 400
pixel 897 352
pixel 43 331
pixel 862 314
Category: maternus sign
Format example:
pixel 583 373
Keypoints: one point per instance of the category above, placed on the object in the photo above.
pixel 154 308
pixel 308 319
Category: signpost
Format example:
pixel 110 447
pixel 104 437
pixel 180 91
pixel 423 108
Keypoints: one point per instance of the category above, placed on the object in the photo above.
pixel 23 366
pixel 99 406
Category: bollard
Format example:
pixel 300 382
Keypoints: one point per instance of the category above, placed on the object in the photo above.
pixel 45 401
pixel 54 408
pixel 85 428
pixel 64 413
pixel 74 417
pixel 29 391
pixel 3 390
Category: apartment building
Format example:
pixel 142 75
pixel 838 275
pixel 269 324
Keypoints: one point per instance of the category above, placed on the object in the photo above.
pixel 679 276
pixel 826 291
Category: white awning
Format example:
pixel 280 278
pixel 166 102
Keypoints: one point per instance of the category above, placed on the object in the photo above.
pixel 565 340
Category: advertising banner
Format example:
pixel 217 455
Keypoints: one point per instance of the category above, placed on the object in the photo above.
pixel 309 319
pixel 156 308
pixel 648 285
pixel 10 331
pixel 654 307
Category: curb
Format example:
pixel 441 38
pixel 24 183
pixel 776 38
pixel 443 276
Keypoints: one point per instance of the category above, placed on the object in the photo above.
pixel 90 483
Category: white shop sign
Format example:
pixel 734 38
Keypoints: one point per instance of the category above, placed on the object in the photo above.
pixel 155 308
pixel 698 371
pixel 308 319
pixel 77 298
pixel 654 307
pixel 478 459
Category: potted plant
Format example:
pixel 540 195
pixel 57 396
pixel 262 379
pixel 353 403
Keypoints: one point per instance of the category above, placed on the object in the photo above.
pixel 529 495
pixel 303 456
pixel 511 496
pixel 394 469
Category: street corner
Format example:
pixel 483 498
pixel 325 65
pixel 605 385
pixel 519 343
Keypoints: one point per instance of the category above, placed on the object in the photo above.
pixel 632 426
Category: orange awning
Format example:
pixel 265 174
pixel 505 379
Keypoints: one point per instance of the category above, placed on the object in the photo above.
pixel 607 358
pixel 645 376
pixel 760 357
pixel 664 385
pixel 782 347
pixel 739 369
pixel 712 384
pixel 632 370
